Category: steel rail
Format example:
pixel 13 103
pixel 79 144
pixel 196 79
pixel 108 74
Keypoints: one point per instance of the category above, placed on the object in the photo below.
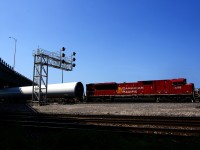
pixel 183 126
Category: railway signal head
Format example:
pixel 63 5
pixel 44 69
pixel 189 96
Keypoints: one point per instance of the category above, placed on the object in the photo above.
pixel 63 54
pixel 63 48
pixel 73 59
pixel 63 61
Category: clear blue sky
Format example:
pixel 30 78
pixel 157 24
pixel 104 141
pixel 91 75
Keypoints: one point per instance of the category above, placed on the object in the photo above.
pixel 115 40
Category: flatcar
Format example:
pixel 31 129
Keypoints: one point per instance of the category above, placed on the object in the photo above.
pixel 158 90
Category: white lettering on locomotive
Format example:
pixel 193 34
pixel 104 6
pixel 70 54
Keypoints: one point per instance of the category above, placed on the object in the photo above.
pixel 178 87
pixel 128 90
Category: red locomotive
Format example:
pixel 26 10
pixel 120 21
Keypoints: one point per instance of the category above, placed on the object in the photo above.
pixel 158 90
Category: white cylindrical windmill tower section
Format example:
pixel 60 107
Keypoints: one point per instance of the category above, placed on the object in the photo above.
pixel 73 89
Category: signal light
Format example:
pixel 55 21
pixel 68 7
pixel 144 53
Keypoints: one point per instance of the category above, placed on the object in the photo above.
pixel 63 48
pixel 74 59
pixel 63 61
pixel 63 55
pixel 74 53
pixel 73 65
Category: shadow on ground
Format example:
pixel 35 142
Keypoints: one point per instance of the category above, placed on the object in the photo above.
pixel 16 108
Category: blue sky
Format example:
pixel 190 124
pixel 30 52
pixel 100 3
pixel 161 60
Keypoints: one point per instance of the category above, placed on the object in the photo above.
pixel 115 40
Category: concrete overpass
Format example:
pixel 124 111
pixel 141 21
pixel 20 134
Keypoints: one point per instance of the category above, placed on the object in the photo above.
pixel 11 78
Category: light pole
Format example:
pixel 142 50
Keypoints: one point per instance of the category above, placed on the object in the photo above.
pixel 15 50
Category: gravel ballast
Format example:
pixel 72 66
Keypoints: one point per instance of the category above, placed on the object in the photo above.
pixel 136 109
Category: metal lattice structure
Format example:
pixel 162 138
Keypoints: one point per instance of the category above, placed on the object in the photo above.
pixel 42 60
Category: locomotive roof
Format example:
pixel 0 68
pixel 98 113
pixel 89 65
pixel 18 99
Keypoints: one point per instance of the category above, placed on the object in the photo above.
pixel 112 83
pixel 107 83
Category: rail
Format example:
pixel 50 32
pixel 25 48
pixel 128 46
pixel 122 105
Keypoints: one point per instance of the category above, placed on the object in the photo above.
pixel 180 126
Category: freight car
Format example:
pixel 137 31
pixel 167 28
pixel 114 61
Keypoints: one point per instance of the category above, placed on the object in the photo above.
pixel 72 91
pixel 156 90
pixel 175 90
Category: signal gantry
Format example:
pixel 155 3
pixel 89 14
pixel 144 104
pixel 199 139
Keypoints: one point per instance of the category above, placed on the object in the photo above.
pixel 42 60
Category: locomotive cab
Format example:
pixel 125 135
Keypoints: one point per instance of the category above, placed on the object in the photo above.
pixel 179 82
pixel 182 90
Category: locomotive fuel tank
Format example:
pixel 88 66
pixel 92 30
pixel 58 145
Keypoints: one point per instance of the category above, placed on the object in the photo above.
pixel 72 89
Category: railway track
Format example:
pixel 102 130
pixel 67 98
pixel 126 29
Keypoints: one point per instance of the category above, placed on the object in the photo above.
pixel 181 126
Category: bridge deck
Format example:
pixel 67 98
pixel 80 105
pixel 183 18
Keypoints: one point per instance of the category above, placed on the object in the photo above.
pixel 11 78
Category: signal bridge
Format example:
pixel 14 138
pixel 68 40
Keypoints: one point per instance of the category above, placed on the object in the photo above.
pixel 42 60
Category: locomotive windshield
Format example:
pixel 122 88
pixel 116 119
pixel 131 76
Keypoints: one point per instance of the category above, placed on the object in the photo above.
pixel 179 82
